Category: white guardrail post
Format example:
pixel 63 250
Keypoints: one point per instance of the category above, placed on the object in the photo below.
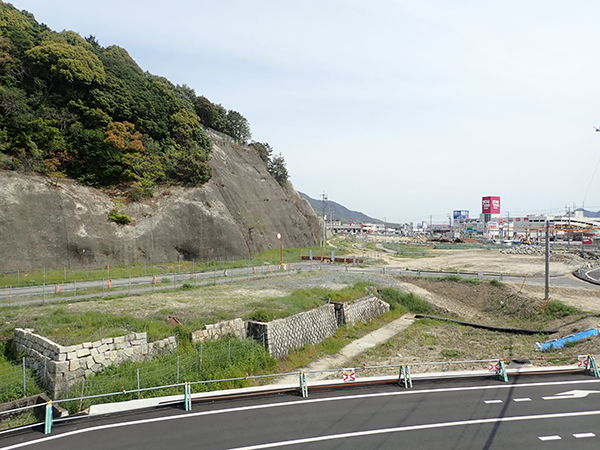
pixel 501 371
pixel 48 421
pixel 591 367
pixel 404 376
pixel 303 385
pixel 187 396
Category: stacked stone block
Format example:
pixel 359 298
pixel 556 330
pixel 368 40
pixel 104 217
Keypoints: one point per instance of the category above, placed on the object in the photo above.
pixel 63 366
pixel 364 309
pixel 234 328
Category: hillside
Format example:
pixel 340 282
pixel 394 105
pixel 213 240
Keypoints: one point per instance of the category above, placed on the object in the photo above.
pixel 49 223
pixel 335 211
pixel 103 163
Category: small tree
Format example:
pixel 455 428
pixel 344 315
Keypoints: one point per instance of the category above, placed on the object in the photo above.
pixel 276 167
pixel 263 149
pixel 239 127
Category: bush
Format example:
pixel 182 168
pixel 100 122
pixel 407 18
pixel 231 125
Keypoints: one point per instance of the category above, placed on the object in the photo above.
pixel 116 216
pixel 262 315
pixel 409 301
pixel 556 310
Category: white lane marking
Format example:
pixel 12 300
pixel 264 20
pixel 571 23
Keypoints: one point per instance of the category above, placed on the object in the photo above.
pixel 491 402
pixel 415 427
pixel 524 399
pixel 550 438
pixel 571 394
pixel 297 402
pixel 317 438
pixel 583 435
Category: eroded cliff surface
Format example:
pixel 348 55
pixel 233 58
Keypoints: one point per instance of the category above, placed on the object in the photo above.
pixel 44 223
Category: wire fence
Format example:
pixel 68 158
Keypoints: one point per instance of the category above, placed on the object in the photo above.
pixel 16 380
pixel 10 295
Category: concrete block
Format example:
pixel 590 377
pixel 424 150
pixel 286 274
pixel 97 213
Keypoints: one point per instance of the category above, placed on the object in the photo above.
pixel 99 358
pixel 87 345
pixel 74 365
pixel 119 339
pixel 103 348
pixel 89 362
pixel 82 352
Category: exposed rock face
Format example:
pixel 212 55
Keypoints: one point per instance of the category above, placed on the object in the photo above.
pixel 240 211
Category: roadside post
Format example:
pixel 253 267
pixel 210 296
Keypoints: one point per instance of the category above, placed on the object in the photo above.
pixel 48 421
pixel 303 385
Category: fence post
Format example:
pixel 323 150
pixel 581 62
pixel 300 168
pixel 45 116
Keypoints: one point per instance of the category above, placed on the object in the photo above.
pixel 24 379
pixel 201 349
pixel 82 392
pixel 303 385
pixel 177 368
pixel 48 421
pixel 229 349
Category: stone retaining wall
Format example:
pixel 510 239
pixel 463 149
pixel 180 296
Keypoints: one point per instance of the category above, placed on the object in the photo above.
pixel 63 366
pixel 282 335
pixel 235 328
pixel 311 327
pixel 364 309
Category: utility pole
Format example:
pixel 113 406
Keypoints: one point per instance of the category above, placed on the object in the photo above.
pixel 324 197
pixel 547 277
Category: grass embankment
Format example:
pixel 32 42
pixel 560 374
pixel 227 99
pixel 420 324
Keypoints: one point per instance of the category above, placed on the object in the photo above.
pixel 37 277
pixel 74 323
pixel 429 340
pixel 400 303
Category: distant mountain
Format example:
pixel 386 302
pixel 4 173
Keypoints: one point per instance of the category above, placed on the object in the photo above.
pixel 336 211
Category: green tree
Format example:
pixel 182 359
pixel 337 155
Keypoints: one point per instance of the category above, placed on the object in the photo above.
pixel 66 62
pixel 239 127
pixel 263 149
pixel 276 167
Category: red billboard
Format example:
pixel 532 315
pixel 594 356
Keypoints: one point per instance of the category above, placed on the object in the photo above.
pixel 490 205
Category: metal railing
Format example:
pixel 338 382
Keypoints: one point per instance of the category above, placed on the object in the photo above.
pixel 495 368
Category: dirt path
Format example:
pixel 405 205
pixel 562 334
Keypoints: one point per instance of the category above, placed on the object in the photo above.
pixel 352 350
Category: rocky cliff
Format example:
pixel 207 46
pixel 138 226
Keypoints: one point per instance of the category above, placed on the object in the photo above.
pixel 49 223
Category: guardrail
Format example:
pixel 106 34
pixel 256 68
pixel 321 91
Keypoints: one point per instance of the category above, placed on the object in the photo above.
pixel 496 369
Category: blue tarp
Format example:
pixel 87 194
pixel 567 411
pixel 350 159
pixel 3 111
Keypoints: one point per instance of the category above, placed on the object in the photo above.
pixel 559 343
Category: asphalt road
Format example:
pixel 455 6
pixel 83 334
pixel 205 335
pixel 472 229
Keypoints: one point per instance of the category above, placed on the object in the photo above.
pixel 139 285
pixel 532 412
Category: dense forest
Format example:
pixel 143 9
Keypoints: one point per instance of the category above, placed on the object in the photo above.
pixel 72 108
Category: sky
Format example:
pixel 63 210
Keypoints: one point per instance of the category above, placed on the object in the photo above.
pixel 403 110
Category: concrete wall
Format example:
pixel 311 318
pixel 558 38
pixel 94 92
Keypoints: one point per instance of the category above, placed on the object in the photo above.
pixel 63 366
pixel 235 328
pixel 364 309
